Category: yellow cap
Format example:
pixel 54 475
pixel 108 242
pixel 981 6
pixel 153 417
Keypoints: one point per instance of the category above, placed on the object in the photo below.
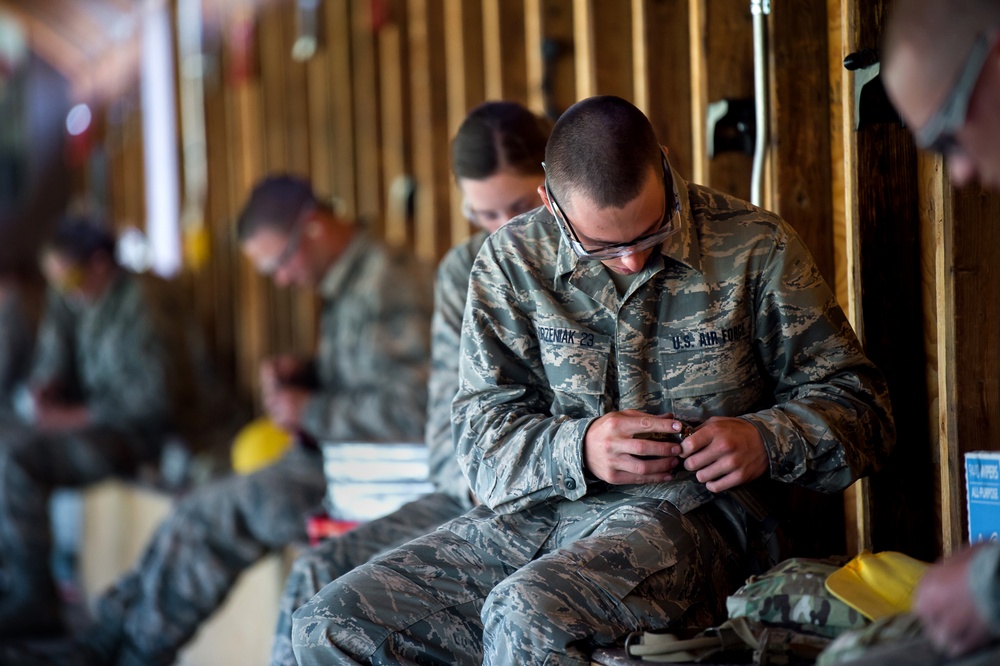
pixel 877 585
pixel 258 444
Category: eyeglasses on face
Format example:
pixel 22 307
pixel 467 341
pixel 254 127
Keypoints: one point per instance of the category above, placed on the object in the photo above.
pixel 666 227
pixel 291 246
pixel 938 134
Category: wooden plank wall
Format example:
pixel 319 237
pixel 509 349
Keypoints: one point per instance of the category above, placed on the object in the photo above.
pixel 372 111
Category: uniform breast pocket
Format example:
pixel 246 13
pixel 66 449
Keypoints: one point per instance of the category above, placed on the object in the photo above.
pixel 576 365
pixel 712 381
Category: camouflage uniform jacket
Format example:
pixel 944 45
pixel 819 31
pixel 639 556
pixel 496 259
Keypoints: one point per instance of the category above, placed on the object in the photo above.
pixel 373 355
pixel 984 581
pixel 730 318
pixel 450 290
pixel 133 357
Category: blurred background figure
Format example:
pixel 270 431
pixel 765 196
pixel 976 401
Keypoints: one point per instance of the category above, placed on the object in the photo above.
pixel 496 158
pixel 116 374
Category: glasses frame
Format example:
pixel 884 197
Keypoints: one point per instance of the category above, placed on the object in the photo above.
pixel 291 246
pixel 938 133
pixel 616 250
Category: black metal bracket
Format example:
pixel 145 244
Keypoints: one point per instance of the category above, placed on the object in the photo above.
pixel 731 126
pixel 871 104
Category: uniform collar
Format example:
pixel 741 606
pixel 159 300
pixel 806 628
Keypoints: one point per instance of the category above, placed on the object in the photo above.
pixel 343 267
pixel 682 246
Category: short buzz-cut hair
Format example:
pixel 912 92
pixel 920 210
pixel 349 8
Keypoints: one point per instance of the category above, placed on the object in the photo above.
pixel 276 203
pixel 602 148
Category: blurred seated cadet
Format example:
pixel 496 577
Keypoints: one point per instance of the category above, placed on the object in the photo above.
pixel 117 373
pixel 367 382
pixel 942 71
pixel 496 157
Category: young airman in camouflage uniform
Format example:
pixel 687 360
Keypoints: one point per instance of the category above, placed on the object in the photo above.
pixel 700 307
pixel 496 157
pixel 335 557
pixel 118 371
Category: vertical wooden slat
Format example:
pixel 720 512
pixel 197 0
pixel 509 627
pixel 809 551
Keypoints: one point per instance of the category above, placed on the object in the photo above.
pixel 603 36
pixel 722 67
pixel 368 153
pixel 338 25
pixel 395 118
pixel 273 67
pixel 297 101
pixel 465 79
pixel 320 119
pixel 884 218
pixel 662 52
pixel 937 265
pixel 550 60
pixel 611 28
pixel 972 263
pixel 800 126
pixel 504 50
pixel 583 50
pixel 430 129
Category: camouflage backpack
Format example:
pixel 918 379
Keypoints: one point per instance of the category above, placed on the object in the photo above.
pixel 784 616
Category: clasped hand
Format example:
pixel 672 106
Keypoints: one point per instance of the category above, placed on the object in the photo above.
pixel 284 403
pixel 723 452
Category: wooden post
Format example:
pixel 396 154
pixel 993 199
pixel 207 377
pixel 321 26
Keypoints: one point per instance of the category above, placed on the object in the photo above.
pixel 395 118
pixel 341 83
pixel 721 67
pixel 430 128
pixel 661 55
pixel 463 28
pixel 550 62
pixel 368 155
pixel 504 52
pixel 884 258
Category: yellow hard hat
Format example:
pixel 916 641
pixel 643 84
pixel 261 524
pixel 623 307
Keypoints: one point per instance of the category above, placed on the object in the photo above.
pixel 258 444
pixel 877 584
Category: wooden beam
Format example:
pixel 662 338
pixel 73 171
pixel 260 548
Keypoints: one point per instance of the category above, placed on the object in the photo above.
pixel 465 79
pixel 883 218
pixel 504 50
pixel 721 68
pixel 396 131
pixel 800 126
pixel 662 57
pixel 550 60
pixel 338 26
pixel 368 154
pixel 430 128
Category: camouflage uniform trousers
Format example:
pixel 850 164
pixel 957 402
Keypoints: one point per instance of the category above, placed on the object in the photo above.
pixel 197 553
pixel 32 464
pixel 545 585
pixel 333 558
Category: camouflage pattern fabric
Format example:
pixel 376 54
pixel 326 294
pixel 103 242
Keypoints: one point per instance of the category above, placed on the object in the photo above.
pixel 19 315
pixel 372 357
pixel 450 290
pixel 608 563
pixel 793 595
pixel 372 365
pixel 334 557
pixel 330 560
pixel 893 630
pixel 135 375
pixel 984 581
pixel 731 317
